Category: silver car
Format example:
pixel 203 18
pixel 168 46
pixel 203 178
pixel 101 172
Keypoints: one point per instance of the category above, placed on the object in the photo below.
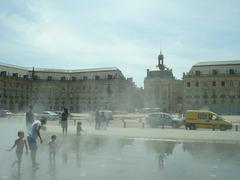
pixel 48 115
pixel 163 119
pixel 5 113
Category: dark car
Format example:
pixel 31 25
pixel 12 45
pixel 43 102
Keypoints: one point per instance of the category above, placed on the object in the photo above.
pixel 163 119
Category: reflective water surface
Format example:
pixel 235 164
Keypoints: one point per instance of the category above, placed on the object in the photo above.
pixel 90 157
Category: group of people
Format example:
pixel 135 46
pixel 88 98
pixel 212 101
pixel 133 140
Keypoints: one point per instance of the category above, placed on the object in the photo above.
pixel 100 120
pixel 33 128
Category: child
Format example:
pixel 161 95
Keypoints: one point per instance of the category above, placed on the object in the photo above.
pixel 52 148
pixel 79 128
pixel 19 143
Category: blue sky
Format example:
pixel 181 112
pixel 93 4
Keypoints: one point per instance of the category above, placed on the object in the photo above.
pixel 127 34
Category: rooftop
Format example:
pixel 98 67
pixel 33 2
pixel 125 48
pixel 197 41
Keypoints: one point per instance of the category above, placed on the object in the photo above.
pixel 61 70
pixel 217 63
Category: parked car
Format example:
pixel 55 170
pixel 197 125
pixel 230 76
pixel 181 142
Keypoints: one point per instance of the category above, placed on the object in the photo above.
pixel 5 113
pixel 163 119
pixel 205 119
pixel 107 114
pixel 48 115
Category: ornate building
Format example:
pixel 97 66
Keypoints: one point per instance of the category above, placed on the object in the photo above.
pixel 161 88
pixel 213 85
pixel 52 89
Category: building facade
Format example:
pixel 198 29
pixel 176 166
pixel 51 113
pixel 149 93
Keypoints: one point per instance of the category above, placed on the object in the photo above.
pixel 214 86
pixel 162 90
pixel 52 89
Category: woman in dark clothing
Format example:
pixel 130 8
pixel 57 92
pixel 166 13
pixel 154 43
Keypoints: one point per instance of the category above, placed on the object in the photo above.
pixel 64 121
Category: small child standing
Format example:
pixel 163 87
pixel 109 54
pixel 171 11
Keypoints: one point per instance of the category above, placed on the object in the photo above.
pixel 19 143
pixel 79 128
pixel 52 148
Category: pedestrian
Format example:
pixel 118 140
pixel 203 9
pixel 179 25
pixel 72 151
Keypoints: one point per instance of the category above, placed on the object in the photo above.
pixel 64 120
pixel 52 148
pixel 103 123
pixel 97 119
pixel 33 134
pixel 79 128
pixel 29 118
pixel 19 143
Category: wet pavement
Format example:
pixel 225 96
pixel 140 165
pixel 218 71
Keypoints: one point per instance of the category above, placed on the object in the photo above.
pixel 90 157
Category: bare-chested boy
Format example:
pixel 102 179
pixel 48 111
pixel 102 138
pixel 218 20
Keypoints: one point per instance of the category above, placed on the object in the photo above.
pixel 19 143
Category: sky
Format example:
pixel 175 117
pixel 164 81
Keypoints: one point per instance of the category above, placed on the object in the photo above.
pixel 127 34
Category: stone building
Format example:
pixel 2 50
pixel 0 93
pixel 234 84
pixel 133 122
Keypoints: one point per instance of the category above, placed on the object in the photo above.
pixel 52 89
pixel 213 85
pixel 161 88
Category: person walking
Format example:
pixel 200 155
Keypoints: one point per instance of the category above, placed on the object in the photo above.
pixel 103 123
pixel 64 120
pixel 29 118
pixel 97 119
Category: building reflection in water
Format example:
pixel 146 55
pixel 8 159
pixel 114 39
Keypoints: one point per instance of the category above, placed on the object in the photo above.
pixel 163 149
pixel 213 151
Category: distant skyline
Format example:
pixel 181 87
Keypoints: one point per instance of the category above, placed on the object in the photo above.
pixel 127 34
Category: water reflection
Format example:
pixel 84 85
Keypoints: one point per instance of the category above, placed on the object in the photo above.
pixel 52 170
pixel 163 149
pixel 78 151
pixel 213 151
pixel 105 157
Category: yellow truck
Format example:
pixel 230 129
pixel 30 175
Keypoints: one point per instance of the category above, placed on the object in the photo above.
pixel 205 119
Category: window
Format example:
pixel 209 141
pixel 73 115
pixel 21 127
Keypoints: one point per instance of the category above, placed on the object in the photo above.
pixel 197 73
pixel 97 77
pixel 222 83
pixel 231 83
pixel 214 72
pixel 202 116
pixel 25 76
pixel 214 93
pixel 74 78
pixel 197 84
pixel 214 83
pixel 49 78
pixel 110 76
pixel 231 71
pixel 188 84
pixel 85 77
pixel 15 75
pixel 63 78
pixel 3 73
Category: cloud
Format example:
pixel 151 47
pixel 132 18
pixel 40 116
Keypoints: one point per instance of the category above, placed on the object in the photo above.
pixel 125 34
